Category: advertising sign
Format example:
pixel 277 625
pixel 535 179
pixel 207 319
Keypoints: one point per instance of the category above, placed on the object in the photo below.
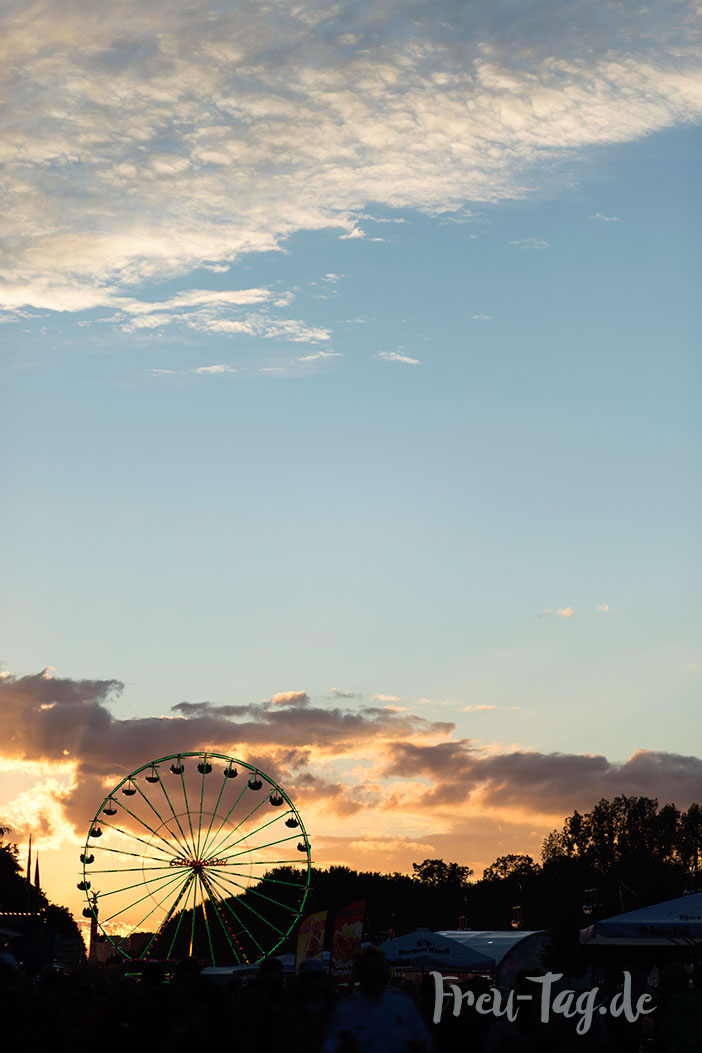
pixel 310 937
pixel 346 939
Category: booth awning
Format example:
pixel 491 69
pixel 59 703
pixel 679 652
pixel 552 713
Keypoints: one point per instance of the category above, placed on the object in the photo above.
pixel 674 922
pixel 424 949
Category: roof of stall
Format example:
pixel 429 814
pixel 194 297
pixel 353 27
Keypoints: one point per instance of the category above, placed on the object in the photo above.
pixel 430 950
pixel 674 922
pixel 495 943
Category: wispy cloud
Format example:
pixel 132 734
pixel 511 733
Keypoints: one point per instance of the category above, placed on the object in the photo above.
pixel 487 709
pixel 202 370
pixel 397 356
pixel 605 219
pixel 481 317
pixel 316 355
pixel 533 244
pixel 215 369
pixel 141 147
pixel 603 608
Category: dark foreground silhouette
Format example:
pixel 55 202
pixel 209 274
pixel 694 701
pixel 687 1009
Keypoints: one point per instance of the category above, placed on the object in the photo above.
pixel 110 1010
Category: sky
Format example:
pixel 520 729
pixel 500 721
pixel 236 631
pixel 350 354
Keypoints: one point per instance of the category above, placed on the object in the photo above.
pixel 350 415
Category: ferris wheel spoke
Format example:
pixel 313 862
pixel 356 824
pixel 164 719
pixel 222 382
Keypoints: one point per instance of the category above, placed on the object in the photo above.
pixel 274 881
pixel 192 920
pixel 202 800
pixel 251 833
pixel 257 848
pixel 170 805
pixel 138 925
pixel 270 862
pixel 177 877
pixel 187 808
pixel 213 900
pixel 128 870
pixel 217 849
pixel 130 837
pixel 242 902
pixel 214 813
pixel 221 825
pixel 163 881
pixel 123 852
pixel 203 904
pixel 160 818
pixel 250 890
pixel 227 905
pixel 168 845
pixel 183 894
pixel 171 911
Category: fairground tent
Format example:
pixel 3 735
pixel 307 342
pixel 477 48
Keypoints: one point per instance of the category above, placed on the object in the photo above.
pixel 514 951
pixel 424 949
pixel 675 922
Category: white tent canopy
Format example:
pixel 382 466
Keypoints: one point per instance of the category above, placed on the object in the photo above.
pixel 677 922
pixel 424 949
pixel 514 950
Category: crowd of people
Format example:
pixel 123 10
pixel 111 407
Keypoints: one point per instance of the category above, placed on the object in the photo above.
pixel 112 1009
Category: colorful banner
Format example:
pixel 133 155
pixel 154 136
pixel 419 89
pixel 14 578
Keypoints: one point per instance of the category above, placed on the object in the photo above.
pixel 346 940
pixel 310 937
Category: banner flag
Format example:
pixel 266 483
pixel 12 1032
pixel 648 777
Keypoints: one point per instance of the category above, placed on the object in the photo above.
pixel 310 937
pixel 346 939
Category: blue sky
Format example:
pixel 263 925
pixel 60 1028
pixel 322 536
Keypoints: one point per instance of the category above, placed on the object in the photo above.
pixel 367 363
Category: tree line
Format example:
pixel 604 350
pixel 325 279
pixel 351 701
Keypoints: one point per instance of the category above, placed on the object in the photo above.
pixel 620 855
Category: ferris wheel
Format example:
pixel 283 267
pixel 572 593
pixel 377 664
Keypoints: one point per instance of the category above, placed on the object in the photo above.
pixel 199 854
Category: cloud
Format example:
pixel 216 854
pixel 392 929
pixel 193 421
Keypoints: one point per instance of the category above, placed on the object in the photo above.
pixel 141 146
pixel 316 355
pixel 219 316
pixel 534 244
pixel 376 845
pixel 603 608
pixel 214 369
pixel 565 612
pixel 605 219
pixel 386 698
pixel 48 715
pixel 485 709
pixel 396 356
pixel 340 692
pixel 291 698
pixel 204 370
pixel 481 317
pixel 553 783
